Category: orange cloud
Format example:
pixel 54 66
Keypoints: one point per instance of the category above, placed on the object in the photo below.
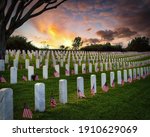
pixel 56 35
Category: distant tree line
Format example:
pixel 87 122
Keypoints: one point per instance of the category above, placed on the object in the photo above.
pixel 137 44
pixel 103 47
pixel 19 42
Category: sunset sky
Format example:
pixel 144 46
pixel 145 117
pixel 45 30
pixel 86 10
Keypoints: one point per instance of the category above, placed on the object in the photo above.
pixel 95 21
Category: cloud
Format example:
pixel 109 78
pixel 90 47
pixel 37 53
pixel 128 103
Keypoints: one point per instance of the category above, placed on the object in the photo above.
pixel 92 40
pixel 106 34
pixel 89 29
pixel 109 35
pixel 133 14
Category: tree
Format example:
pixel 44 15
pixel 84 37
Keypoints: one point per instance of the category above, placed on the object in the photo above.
pixel 19 42
pixel 62 47
pixel 139 44
pixel 77 43
pixel 14 13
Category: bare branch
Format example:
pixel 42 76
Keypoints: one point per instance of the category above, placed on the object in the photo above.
pixel 3 5
pixel 47 8
pixel 18 20
pixel 10 10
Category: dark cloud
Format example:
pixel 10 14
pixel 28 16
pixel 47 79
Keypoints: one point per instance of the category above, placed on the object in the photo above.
pixel 124 32
pixel 106 34
pixel 92 40
pixel 89 29
pixel 135 14
pixel 110 35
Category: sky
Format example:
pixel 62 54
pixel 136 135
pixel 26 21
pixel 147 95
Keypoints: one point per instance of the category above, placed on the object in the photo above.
pixel 95 21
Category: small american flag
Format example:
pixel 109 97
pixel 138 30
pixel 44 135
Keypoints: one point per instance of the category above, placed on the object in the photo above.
pixel 24 78
pixel 80 94
pixel 67 72
pixel 93 90
pixel 105 88
pixel 122 82
pixel 134 77
pixel 56 74
pixel 84 70
pixel 143 75
pixel 36 77
pixel 129 79
pixel 52 102
pixel 2 79
pixel 27 113
pixel 113 84
pixel 97 69
pixel 72 71
pixel 138 77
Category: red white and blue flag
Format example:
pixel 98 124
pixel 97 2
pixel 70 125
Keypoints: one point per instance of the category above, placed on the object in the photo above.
pixel 113 84
pixel 27 113
pixel 105 88
pixel 122 82
pixel 80 94
pixel 56 74
pixel 24 78
pixel 129 79
pixel 67 72
pixel 93 90
pixel 2 79
pixel 53 102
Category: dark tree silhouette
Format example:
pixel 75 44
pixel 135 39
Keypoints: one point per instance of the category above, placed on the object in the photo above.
pixel 14 13
pixel 139 44
pixel 77 43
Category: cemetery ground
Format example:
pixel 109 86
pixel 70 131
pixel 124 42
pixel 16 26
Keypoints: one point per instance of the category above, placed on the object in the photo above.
pixel 128 102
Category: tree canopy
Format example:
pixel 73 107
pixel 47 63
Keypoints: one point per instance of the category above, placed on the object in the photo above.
pixel 139 44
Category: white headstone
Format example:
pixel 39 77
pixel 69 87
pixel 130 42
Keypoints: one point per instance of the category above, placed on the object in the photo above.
pixel 63 91
pixel 141 72
pixel 27 63
pixel 130 73
pixel 93 83
pixel 57 71
pixel 83 68
pixel 37 63
pixel 134 74
pixel 6 59
pixel 67 70
pixel 80 85
pixel 6 104
pixel 103 79
pixel 46 62
pixel 138 72
pixel 2 65
pixel 13 75
pixel 125 77
pixel 96 67
pixel 45 72
pixel 30 72
pixel 39 93
pixel 112 78
pixel 76 69
pixel 90 67
pixel 119 77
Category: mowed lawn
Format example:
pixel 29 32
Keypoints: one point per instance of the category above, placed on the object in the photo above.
pixel 128 102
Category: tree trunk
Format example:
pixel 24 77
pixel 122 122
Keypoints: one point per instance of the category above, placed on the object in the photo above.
pixel 2 42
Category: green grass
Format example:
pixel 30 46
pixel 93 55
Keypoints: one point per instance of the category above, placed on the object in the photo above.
pixel 131 101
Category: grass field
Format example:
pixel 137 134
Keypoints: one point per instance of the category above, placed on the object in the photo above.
pixel 132 101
